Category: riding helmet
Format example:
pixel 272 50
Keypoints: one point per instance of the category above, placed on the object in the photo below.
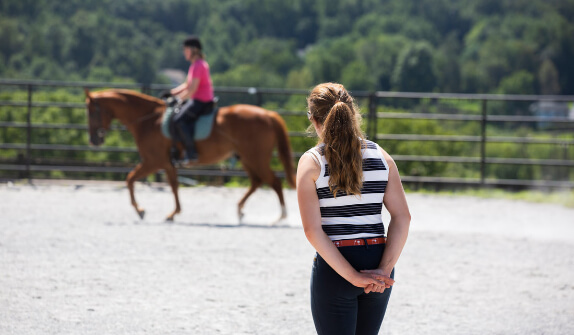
pixel 192 41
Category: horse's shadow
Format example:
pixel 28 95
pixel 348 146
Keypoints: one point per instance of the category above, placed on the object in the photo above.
pixel 205 224
pixel 229 225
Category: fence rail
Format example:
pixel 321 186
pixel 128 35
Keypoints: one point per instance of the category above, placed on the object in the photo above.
pixel 27 165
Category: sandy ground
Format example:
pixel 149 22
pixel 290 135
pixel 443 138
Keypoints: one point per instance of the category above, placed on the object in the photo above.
pixel 77 260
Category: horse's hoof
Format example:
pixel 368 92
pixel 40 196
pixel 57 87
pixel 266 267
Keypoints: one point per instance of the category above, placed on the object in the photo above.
pixel 240 216
pixel 169 219
pixel 278 221
pixel 141 214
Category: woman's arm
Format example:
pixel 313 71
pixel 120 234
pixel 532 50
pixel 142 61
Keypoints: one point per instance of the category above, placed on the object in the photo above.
pixel 176 91
pixel 186 89
pixel 307 174
pixel 396 203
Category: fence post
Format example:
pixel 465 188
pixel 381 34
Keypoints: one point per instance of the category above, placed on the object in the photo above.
pixel 372 123
pixel 29 134
pixel 483 144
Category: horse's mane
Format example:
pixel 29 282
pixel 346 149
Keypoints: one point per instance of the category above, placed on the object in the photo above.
pixel 127 95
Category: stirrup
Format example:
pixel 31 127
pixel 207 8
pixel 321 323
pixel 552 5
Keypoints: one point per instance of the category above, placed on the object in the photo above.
pixel 191 158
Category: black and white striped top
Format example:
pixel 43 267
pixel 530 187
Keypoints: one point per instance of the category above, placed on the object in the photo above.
pixel 354 216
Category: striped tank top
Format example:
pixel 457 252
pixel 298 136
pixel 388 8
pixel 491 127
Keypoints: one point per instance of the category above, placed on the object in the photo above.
pixel 354 216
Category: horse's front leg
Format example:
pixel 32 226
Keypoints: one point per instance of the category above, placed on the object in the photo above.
pixel 140 171
pixel 171 173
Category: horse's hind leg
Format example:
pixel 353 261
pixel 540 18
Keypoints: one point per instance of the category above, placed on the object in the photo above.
pixel 278 188
pixel 171 173
pixel 255 183
pixel 138 172
pixel 269 177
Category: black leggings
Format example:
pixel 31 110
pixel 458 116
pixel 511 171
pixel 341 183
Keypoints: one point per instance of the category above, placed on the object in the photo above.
pixel 191 110
pixel 338 307
pixel 184 122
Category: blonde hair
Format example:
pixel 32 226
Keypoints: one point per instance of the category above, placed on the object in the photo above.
pixel 332 106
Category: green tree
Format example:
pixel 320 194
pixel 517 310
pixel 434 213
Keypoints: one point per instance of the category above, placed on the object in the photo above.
pixel 299 78
pixel 246 75
pixel 379 53
pixel 268 53
pixel 520 82
pixel 548 78
pixel 11 37
pixel 356 76
pixel 473 46
pixel 447 65
pixel 414 69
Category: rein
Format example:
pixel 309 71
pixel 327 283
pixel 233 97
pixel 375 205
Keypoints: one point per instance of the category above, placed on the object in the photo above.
pixel 142 118
pixel 97 116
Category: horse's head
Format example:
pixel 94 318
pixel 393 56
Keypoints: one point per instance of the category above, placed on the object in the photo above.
pixel 99 119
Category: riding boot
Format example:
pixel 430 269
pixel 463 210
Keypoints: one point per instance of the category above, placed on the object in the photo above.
pixel 186 133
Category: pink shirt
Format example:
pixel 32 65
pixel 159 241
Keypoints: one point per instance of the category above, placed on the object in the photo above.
pixel 200 69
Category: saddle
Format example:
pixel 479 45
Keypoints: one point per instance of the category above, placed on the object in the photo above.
pixel 203 125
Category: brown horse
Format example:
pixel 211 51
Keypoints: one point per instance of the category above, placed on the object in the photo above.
pixel 250 131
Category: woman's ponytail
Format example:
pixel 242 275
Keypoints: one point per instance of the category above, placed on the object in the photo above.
pixel 333 108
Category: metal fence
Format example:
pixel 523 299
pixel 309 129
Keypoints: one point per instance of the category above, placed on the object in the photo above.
pixel 371 102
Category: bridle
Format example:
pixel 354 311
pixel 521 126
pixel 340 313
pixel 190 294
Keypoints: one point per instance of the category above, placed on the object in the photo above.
pixel 96 119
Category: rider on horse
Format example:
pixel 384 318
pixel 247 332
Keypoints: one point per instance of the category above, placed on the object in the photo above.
pixel 199 89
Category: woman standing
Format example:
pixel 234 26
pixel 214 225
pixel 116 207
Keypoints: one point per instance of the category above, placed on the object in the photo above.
pixel 198 88
pixel 342 184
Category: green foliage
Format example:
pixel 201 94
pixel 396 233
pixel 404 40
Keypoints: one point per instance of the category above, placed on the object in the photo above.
pixel 269 54
pixel 247 75
pixel 414 71
pixel 521 82
pixel 299 78
pixel 548 78
pixel 444 45
pixel 356 76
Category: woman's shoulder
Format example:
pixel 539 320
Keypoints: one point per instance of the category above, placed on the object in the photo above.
pixel 319 149
pixel 199 63
pixel 367 144
pixel 203 63
pixel 309 164
pixel 316 153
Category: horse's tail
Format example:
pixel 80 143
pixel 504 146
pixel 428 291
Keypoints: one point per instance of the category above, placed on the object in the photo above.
pixel 284 147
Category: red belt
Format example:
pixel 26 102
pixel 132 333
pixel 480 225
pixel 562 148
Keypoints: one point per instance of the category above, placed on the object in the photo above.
pixel 360 241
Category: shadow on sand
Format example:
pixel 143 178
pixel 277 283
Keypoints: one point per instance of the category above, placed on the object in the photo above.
pixel 239 225
pixel 205 224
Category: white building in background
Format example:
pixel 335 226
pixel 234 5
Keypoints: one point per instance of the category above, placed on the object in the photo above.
pixel 551 110
pixel 175 76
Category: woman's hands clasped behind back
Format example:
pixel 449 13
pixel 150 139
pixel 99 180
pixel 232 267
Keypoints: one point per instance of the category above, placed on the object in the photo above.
pixel 372 280
pixel 384 279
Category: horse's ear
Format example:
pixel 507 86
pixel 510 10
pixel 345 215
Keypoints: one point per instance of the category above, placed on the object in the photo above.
pixel 87 91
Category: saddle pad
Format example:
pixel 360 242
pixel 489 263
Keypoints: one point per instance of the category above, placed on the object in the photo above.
pixel 167 116
pixel 203 125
